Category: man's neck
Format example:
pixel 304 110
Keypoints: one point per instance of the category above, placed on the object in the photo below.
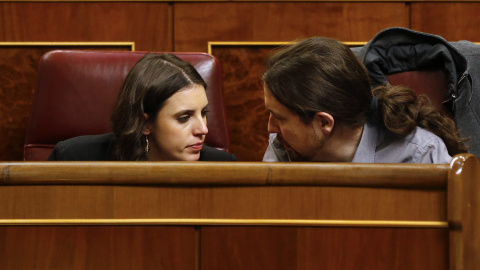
pixel 343 143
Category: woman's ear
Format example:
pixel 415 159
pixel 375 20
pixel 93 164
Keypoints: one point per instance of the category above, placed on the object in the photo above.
pixel 324 122
pixel 147 126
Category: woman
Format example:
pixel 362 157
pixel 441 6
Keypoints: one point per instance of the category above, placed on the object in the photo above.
pixel 322 108
pixel 160 115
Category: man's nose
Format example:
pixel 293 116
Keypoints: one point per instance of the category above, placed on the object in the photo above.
pixel 272 125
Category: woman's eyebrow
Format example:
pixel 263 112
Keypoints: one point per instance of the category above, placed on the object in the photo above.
pixel 182 112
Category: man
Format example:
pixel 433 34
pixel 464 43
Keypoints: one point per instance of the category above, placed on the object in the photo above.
pixel 322 109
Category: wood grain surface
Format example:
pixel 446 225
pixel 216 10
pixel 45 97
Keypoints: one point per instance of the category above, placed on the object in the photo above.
pixel 453 20
pixel 148 24
pixel 97 247
pixel 239 190
pixel 323 248
pixel 247 117
pixel 198 23
pixel 463 208
pixel 347 216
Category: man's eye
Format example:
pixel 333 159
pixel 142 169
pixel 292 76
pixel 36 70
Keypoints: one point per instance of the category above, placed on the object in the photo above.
pixel 183 119
pixel 204 113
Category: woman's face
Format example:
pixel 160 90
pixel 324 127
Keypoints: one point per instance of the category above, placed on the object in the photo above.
pixel 180 128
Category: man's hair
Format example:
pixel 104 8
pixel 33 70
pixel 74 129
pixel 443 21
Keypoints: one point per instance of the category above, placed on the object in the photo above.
pixel 153 79
pixel 320 75
pixel 323 75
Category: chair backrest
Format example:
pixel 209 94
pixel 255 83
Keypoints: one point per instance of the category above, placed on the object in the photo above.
pixel 430 82
pixel 76 91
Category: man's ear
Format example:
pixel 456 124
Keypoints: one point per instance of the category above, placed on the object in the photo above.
pixel 147 126
pixel 324 122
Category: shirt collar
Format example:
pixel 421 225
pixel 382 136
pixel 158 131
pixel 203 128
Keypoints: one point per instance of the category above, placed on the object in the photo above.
pixel 368 143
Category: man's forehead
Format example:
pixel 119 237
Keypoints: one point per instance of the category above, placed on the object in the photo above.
pixel 274 106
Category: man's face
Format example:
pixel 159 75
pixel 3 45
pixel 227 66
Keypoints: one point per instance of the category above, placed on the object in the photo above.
pixel 301 140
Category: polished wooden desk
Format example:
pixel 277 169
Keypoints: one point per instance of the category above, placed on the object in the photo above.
pixel 80 215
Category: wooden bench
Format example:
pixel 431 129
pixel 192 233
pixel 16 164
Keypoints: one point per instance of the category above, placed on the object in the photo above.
pixel 173 215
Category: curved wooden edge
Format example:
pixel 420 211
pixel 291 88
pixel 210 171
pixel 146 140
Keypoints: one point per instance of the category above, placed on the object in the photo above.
pixel 464 212
pixel 230 222
pixel 225 173
pixel 270 1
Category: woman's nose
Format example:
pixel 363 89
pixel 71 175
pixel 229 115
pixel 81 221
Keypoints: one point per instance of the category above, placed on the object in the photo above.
pixel 200 127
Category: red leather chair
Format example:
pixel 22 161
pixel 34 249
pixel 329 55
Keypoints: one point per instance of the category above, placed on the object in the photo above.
pixel 76 91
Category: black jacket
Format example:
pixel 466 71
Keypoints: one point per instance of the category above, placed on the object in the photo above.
pixel 400 49
pixel 98 148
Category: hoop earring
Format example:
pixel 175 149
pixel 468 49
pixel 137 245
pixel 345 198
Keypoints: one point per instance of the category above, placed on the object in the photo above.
pixel 147 147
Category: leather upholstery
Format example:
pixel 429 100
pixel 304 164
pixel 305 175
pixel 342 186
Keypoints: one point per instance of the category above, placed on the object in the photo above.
pixel 76 91
pixel 429 82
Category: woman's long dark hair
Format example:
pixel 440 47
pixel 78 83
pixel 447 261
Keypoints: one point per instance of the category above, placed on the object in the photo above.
pixel 323 75
pixel 153 79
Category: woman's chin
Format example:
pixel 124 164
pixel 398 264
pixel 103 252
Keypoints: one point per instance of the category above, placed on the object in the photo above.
pixel 191 157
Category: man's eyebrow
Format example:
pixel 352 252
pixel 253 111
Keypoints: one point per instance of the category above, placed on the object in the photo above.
pixel 274 113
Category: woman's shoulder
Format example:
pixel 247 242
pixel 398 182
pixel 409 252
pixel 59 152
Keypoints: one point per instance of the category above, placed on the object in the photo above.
pixel 212 154
pixel 84 148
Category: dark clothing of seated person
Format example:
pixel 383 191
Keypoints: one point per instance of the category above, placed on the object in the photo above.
pixel 100 148
pixel 160 115
pixel 322 108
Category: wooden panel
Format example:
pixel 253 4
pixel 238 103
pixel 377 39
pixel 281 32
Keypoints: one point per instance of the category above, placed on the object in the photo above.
pixel 18 78
pixel 336 193
pixel 452 21
pixel 148 24
pixel 198 23
pixel 323 248
pixel 463 208
pixel 247 117
pixel 97 247
pixel 306 191
pixel 326 174
pixel 73 202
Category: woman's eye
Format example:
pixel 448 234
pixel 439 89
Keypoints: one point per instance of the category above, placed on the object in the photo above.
pixel 183 119
pixel 204 113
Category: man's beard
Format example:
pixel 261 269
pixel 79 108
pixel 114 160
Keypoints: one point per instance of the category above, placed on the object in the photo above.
pixel 294 155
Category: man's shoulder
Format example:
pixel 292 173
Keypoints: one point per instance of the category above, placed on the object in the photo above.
pixel 423 138
pixel 420 146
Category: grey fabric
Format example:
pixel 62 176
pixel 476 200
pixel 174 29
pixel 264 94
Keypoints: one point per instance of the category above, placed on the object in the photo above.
pixel 467 100
pixel 400 49
pixel 421 146
pixel 380 146
pixel 275 151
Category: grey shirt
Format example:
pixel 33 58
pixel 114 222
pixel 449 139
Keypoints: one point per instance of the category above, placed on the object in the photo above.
pixel 379 146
